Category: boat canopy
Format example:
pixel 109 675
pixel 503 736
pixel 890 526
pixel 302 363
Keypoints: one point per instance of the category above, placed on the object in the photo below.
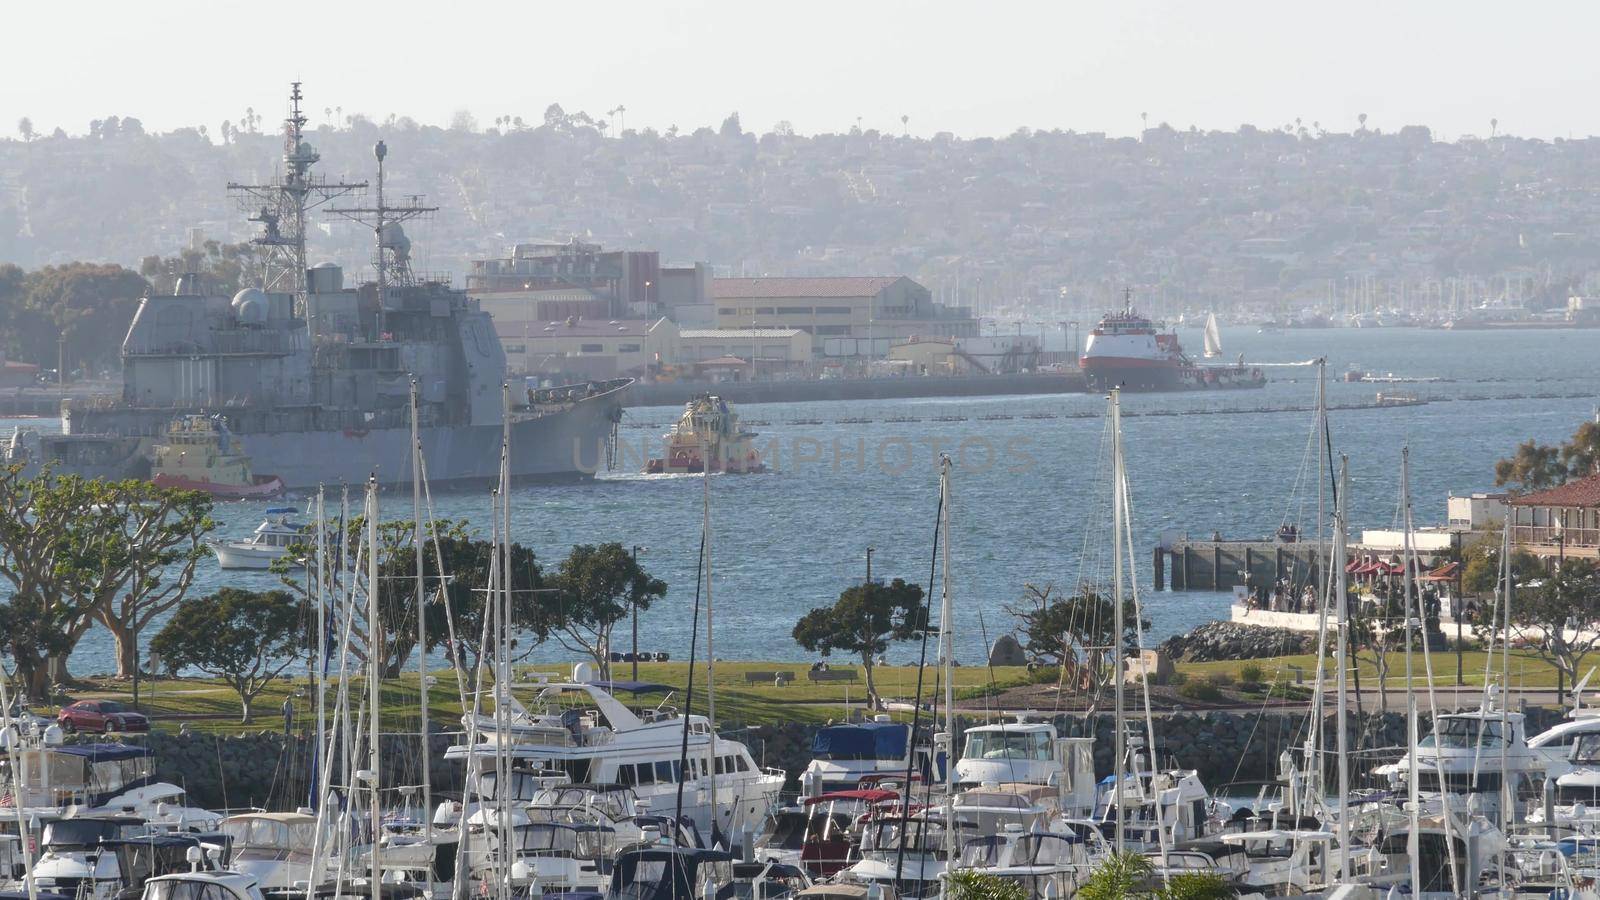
pixel 103 752
pixel 865 795
pixel 869 740
pixel 634 687
pixel 282 511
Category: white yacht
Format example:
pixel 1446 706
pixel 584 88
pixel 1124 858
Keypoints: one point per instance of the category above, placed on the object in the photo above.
pixel 273 849
pixel 1045 864
pixel 579 728
pixel 843 755
pixel 1023 752
pixel 268 543
pixel 1484 757
pixel 202 886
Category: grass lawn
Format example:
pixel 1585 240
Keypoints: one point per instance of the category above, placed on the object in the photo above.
pixel 209 705
pixel 173 701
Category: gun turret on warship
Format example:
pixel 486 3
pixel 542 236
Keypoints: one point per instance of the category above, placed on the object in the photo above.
pixel 312 377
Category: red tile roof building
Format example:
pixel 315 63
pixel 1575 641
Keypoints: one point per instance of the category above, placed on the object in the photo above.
pixel 1560 522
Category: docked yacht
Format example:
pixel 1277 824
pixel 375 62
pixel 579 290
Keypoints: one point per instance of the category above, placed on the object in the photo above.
pixel 201 885
pixel 1024 752
pixel 914 866
pixel 268 543
pixel 273 849
pixel 580 729
pixel 843 755
pixel 1045 864
pixel 1484 759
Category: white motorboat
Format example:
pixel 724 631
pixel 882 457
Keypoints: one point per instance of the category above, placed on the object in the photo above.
pixel 579 728
pixel 270 542
pixel 843 755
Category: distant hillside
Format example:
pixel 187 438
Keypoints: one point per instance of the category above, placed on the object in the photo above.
pixel 1280 220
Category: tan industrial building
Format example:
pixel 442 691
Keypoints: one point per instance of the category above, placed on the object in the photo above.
pixel 780 347
pixel 844 316
pixel 589 348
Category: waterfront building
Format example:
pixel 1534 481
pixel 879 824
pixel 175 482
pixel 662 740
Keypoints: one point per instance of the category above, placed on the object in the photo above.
pixel 845 315
pixel 1560 522
pixel 626 281
pixel 588 348
pixel 774 349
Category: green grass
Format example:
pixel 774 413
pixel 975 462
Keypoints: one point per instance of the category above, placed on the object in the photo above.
pixel 1527 669
pixel 172 702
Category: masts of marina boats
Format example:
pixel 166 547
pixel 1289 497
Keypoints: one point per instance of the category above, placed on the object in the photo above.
pixel 12 729
pixel 1341 589
pixel 320 676
pixel 422 635
pixel 1413 777
pixel 1117 512
pixel 711 656
pixel 947 658
pixel 374 686
pixel 1413 600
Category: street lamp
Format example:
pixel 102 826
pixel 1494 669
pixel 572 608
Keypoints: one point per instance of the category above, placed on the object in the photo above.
pixel 636 551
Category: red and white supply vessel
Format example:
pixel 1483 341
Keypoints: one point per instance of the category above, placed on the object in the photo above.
pixel 1126 350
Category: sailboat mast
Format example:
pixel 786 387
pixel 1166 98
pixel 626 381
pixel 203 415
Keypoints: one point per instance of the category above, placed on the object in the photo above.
pixel 422 628
pixel 1117 512
pixel 1413 786
pixel 320 676
pixel 374 680
pixel 711 655
pixel 947 654
pixel 1341 589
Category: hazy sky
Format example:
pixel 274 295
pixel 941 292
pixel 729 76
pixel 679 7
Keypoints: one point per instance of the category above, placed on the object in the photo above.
pixel 968 67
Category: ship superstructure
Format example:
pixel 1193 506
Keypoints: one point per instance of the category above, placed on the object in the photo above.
pixel 313 376
pixel 1128 351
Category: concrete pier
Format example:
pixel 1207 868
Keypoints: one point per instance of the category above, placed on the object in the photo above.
pixel 1219 565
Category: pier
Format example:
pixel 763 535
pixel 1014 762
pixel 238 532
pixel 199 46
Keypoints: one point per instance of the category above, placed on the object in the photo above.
pixel 1220 565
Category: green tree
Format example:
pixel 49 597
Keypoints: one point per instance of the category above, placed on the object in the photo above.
pixel 246 638
pixel 595 588
pixel 864 620
pixel 467 566
pixel 1581 455
pixel 971 884
pixel 1533 467
pixel 1056 630
pixel 86 305
pixel 1560 617
pixel 1119 877
pixel 133 554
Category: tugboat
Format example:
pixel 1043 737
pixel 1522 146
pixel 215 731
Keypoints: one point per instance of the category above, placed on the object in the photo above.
pixel 200 455
pixel 710 428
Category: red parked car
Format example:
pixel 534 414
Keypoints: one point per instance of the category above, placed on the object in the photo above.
pixel 104 716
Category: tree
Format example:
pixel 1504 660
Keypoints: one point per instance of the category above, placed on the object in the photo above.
pixel 25 128
pixel 864 620
pixel 137 552
pixel 1132 876
pixel 595 588
pixel 1535 466
pixel 1581 455
pixel 467 565
pixel 730 126
pixel 1560 617
pixel 1074 631
pixel 972 884
pixel 246 638
pixel 463 120
pixel 87 305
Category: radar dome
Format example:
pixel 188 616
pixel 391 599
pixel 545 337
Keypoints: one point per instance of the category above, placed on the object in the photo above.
pixel 251 306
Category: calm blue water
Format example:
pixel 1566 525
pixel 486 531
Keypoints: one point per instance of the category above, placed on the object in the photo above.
pixel 1030 495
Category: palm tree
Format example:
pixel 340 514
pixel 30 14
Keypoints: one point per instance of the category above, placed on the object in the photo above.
pixel 1363 120
pixel 905 125
pixel 1494 126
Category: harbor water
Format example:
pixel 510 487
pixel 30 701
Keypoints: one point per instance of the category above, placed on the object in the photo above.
pixel 1030 494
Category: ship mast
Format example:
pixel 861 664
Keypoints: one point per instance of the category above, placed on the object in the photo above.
pixel 392 249
pixel 280 206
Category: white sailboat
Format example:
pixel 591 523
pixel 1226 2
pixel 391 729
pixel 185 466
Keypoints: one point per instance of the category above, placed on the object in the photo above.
pixel 1213 341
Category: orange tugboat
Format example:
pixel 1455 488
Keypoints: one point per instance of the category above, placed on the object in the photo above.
pixel 200 455
pixel 708 430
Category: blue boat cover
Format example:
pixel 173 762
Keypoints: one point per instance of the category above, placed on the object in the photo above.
pixel 869 740
pixel 104 752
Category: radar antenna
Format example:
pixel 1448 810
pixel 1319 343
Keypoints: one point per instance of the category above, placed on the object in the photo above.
pixel 392 260
pixel 280 206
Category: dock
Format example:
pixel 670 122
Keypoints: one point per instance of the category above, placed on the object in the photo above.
pixel 1219 565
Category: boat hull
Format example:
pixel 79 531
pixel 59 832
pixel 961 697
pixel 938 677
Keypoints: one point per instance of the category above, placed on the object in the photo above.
pixel 265 487
pixel 1141 375
pixel 244 557
pixel 568 444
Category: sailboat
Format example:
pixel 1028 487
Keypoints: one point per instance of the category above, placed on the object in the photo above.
pixel 1213 341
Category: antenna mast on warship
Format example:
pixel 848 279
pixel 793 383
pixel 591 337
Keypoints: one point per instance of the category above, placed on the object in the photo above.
pixel 280 206
pixel 393 247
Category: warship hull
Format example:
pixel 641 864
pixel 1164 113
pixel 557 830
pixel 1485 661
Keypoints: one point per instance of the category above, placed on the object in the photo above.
pixel 567 444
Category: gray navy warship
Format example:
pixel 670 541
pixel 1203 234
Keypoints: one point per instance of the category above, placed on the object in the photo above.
pixel 313 378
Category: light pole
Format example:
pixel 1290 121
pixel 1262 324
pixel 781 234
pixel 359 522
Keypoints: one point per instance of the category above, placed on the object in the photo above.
pixel 869 564
pixel 636 551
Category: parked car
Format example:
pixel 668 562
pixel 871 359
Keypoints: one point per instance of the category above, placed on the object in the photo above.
pixel 104 716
